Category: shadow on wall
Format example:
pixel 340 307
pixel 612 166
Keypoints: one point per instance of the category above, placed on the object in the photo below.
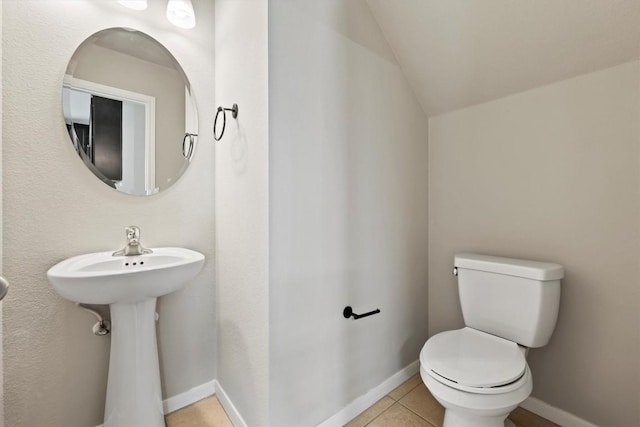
pixel 238 147
pixel 238 390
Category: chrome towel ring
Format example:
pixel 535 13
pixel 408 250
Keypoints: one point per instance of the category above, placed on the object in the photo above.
pixel 187 149
pixel 234 114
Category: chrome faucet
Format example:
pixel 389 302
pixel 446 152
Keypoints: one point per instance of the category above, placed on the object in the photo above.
pixel 133 246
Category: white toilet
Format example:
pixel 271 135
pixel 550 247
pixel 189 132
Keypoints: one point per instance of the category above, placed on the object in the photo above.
pixel 479 373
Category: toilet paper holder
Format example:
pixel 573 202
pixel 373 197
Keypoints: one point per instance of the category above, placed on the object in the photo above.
pixel 348 312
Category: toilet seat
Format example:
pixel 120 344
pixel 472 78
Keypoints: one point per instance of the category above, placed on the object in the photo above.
pixel 474 361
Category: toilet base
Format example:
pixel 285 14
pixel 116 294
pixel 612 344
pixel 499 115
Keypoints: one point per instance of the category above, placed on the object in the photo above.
pixel 454 418
pixel 464 409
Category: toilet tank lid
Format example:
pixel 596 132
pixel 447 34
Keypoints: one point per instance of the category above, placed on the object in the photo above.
pixel 510 266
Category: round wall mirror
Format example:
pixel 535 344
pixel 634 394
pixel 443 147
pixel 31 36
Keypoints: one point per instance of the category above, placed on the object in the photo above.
pixel 129 111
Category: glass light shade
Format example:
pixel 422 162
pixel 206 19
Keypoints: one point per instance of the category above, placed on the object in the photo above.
pixel 134 4
pixel 180 13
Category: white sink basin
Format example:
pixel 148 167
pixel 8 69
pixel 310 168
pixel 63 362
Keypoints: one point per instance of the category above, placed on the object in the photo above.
pixel 101 278
pixel 130 285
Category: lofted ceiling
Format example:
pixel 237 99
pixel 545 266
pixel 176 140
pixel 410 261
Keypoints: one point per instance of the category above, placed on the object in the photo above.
pixel 457 53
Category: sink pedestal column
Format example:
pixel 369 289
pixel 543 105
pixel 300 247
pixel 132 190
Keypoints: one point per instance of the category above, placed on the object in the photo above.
pixel 134 396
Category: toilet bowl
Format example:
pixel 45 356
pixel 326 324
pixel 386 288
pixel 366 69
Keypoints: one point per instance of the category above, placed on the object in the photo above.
pixel 470 385
pixel 479 373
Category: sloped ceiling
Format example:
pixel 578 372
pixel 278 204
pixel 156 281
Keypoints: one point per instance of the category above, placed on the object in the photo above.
pixel 457 53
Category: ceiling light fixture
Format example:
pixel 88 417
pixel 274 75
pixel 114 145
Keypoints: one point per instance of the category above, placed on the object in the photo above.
pixel 134 4
pixel 180 13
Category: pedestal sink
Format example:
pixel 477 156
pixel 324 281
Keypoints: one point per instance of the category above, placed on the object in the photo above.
pixel 131 286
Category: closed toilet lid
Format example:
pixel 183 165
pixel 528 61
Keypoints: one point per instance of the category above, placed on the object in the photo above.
pixel 472 358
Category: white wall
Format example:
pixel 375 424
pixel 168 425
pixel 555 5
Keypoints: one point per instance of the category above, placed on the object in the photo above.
pixel 2 424
pixel 55 368
pixel 552 174
pixel 242 200
pixel 348 209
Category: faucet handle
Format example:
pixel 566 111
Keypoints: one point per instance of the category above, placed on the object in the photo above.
pixel 133 246
pixel 133 233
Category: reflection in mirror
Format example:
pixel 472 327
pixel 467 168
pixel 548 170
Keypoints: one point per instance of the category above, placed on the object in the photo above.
pixel 129 111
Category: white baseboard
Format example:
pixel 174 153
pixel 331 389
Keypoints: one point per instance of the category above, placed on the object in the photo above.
pixel 554 414
pixel 188 397
pixel 361 403
pixel 358 405
pixel 229 407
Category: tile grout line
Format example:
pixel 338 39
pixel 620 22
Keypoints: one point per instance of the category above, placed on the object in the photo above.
pixel 401 404
pixel 398 402
pixel 429 422
pixel 409 391
pixel 420 416
pixel 405 406
pixel 376 417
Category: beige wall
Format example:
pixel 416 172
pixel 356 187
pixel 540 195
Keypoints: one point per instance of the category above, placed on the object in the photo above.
pixel 242 207
pixel 165 84
pixel 552 174
pixel 55 368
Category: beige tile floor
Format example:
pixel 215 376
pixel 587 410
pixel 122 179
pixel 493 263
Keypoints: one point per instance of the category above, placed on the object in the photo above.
pixel 205 413
pixel 409 405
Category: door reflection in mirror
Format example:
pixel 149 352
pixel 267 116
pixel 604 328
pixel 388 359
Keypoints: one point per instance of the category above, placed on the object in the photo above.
pixel 114 129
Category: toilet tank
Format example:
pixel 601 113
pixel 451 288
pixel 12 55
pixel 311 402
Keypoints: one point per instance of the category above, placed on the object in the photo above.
pixel 512 298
